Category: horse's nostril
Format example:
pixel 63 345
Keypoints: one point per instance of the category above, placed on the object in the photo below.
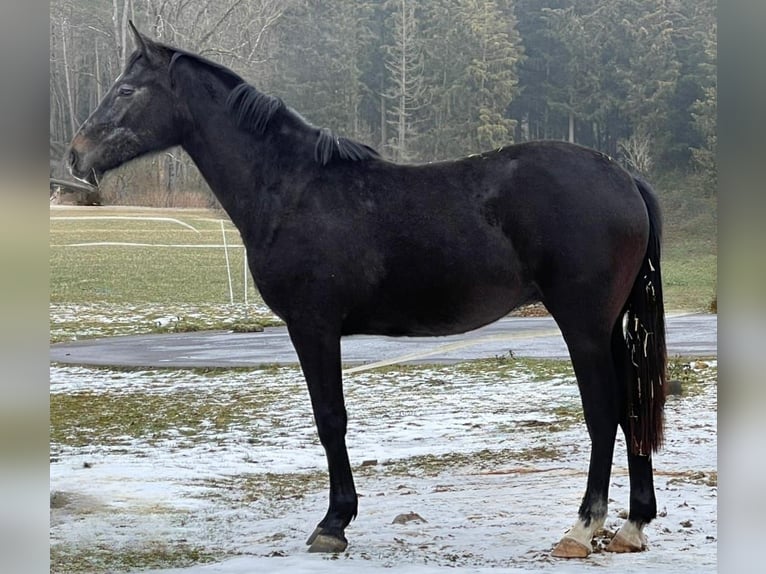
pixel 72 158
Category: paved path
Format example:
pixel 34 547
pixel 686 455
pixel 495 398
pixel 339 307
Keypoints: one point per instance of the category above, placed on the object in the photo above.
pixel 688 335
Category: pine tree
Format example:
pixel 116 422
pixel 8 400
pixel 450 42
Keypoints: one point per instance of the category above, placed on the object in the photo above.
pixel 473 49
pixel 405 64
pixel 322 57
pixel 492 72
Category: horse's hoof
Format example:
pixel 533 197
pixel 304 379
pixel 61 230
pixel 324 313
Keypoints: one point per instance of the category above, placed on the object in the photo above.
pixel 326 543
pixel 313 536
pixel 570 548
pixel 621 543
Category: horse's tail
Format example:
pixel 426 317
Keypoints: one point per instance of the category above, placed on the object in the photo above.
pixel 644 334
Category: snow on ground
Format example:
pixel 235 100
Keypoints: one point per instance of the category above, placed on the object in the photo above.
pixel 72 321
pixel 493 458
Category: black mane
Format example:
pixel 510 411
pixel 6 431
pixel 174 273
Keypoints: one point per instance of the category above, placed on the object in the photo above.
pixel 254 110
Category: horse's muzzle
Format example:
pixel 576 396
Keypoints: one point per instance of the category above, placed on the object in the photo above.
pixel 78 169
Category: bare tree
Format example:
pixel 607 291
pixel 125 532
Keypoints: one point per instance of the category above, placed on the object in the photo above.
pixel 68 75
pixel 120 23
pixel 637 151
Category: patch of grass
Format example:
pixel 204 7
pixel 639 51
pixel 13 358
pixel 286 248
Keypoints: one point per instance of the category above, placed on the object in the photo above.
pixel 83 418
pixel 483 460
pixel 66 559
pixel 267 487
pixel 181 326
pixel 532 368
pixel 693 375
pixel 194 325
pixel 537 453
pixel 261 370
pixel 251 326
pixel 695 477
pixel 504 366
pixel 98 319
pixel 689 280
pixel 690 251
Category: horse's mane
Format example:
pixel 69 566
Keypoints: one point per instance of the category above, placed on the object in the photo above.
pixel 254 110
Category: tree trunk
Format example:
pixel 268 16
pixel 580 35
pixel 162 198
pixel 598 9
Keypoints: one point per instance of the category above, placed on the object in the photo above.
pixel 124 32
pixel 68 80
pixel 401 135
pixel 120 26
pixel 571 128
pixel 383 122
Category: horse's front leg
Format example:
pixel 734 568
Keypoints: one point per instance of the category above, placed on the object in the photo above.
pixel 319 355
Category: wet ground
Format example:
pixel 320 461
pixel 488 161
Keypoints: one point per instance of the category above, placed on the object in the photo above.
pixel 687 335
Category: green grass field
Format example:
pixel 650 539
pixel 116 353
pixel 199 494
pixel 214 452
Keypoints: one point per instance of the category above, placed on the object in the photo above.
pixel 690 246
pixel 166 263
pixel 118 270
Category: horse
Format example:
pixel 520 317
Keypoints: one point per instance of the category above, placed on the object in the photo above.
pixel 340 242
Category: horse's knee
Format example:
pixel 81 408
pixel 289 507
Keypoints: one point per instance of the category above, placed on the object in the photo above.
pixel 331 426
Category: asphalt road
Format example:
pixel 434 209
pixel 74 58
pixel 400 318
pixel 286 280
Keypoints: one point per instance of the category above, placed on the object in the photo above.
pixel 687 335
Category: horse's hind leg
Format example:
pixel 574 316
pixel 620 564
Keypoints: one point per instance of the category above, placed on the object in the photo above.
pixel 643 504
pixel 590 350
pixel 319 354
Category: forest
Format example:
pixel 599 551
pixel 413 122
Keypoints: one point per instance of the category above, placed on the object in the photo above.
pixel 419 80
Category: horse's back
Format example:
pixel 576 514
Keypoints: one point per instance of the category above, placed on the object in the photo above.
pixel 447 247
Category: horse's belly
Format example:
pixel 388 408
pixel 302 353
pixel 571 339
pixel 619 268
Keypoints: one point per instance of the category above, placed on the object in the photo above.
pixel 437 312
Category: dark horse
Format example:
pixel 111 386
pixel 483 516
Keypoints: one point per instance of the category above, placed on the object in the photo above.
pixel 340 242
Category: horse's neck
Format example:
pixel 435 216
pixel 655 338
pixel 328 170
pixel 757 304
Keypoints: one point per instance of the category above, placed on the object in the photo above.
pixel 248 173
pixel 225 158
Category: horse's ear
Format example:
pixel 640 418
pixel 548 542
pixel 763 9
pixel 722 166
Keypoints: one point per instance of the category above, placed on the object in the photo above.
pixel 140 40
pixel 147 48
pixel 176 70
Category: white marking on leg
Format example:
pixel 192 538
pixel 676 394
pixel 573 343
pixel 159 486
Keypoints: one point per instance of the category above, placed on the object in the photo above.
pixel 632 534
pixel 584 534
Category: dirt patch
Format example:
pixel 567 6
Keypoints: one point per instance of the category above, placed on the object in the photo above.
pixel 67 506
pixel 533 310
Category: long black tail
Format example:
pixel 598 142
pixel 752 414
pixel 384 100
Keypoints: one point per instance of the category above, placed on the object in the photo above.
pixel 645 338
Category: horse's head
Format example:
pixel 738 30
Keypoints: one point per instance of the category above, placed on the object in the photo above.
pixel 139 114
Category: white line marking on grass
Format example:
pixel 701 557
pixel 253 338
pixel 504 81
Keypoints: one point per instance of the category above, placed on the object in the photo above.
pixel 125 244
pixel 127 217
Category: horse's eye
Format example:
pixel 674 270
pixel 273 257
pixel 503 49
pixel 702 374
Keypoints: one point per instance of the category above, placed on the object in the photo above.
pixel 125 90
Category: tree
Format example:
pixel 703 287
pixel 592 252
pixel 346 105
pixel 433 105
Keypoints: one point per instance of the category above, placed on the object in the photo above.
pixel 90 44
pixel 421 80
pixel 322 58
pixel 472 52
pixel 693 111
pixel 622 69
pixel 406 92
pixel 651 78
pixel 493 72
pixel 542 73
pixel 704 114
